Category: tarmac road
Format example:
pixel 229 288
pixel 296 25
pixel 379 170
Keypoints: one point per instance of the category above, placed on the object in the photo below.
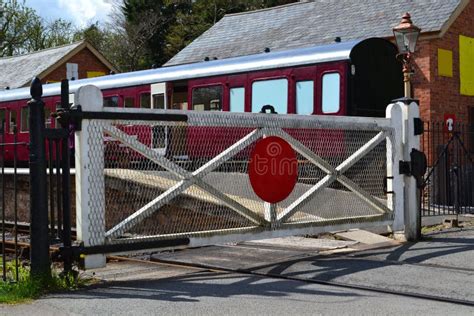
pixel 442 265
pixel 212 293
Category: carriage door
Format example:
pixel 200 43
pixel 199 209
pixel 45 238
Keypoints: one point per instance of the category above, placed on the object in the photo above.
pixel 160 134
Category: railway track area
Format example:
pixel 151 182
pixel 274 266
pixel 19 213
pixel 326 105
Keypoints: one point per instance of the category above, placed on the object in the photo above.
pixel 410 293
pixel 19 242
pixel 422 271
pixel 436 269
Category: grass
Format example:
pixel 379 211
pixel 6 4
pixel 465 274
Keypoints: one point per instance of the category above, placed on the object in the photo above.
pixel 27 289
pixel 432 229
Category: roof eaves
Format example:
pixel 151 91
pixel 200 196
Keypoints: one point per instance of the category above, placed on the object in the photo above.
pixel 447 24
pixel 60 61
pixel 42 50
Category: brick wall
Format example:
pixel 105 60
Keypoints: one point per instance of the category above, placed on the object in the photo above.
pixel 437 94
pixel 86 61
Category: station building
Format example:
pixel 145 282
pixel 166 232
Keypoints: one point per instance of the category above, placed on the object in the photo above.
pixel 74 61
pixel 443 79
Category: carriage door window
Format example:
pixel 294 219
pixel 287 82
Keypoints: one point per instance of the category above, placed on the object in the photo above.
pixel 24 119
pixel 273 92
pixel 47 117
pixel 12 121
pixel 207 98
pixel 111 102
pixel 2 120
pixel 305 97
pixel 145 101
pixel 129 102
pixel 159 101
pixel 237 99
pixel 331 93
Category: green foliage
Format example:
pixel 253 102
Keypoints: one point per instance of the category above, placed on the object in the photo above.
pixel 180 22
pixel 22 30
pixel 141 32
pixel 27 288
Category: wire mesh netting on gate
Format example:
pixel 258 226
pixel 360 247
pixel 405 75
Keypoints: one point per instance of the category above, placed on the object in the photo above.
pixel 168 178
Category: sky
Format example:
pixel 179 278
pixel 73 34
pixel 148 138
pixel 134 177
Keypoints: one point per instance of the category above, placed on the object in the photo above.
pixel 80 12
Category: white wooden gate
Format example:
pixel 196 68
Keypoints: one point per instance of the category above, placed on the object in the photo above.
pixel 130 195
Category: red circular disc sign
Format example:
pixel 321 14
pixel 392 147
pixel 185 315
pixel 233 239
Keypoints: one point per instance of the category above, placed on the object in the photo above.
pixel 273 169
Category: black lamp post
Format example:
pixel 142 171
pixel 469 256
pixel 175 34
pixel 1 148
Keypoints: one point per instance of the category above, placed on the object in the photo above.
pixel 406 36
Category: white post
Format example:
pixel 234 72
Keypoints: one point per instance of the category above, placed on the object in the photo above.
pixel 412 212
pixel 90 186
pixel 395 181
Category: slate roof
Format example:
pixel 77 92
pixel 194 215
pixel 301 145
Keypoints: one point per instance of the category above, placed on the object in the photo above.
pixel 17 71
pixel 305 24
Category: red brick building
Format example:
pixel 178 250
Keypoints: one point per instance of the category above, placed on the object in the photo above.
pixel 439 91
pixel 74 61
pixel 446 25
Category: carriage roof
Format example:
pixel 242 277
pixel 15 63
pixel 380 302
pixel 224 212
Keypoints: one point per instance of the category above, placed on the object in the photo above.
pixel 271 60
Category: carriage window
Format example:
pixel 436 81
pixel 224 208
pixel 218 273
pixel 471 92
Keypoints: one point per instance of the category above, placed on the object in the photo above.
pixel 129 102
pixel 304 97
pixel 145 101
pixel 207 98
pixel 111 102
pixel 331 93
pixel 12 121
pixel 24 119
pixel 237 99
pixel 273 92
pixel 159 101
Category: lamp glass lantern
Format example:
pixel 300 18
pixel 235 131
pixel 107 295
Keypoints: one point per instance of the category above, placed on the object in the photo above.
pixel 406 35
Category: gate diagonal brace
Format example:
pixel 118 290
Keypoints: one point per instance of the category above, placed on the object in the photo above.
pixel 188 179
pixel 333 174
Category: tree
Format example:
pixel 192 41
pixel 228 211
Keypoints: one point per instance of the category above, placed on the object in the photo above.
pixel 161 14
pixel 179 22
pixel 22 30
pixel 142 33
pixel 203 15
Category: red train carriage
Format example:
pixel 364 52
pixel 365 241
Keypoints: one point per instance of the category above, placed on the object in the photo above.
pixel 356 78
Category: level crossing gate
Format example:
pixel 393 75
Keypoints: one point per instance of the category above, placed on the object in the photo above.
pixel 149 179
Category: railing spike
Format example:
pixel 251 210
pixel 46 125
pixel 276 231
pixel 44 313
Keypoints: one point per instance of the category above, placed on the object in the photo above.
pixel 36 88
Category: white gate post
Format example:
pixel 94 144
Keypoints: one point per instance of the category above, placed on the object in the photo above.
pixel 395 181
pixel 90 186
pixel 411 141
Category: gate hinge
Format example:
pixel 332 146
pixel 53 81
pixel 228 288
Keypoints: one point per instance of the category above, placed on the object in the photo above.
pixel 70 116
pixel 385 185
pixel 404 167
pixel 418 126
pixel 416 167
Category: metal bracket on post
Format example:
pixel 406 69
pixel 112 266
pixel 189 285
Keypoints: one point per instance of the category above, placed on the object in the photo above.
pixel 418 126
pixel 404 167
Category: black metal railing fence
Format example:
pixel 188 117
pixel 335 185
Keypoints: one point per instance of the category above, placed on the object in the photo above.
pixel 448 187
